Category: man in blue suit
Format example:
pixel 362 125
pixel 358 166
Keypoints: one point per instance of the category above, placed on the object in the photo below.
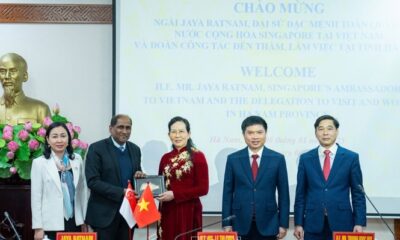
pixel 253 175
pixel 326 176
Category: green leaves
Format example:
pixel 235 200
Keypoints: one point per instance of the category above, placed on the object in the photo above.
pixel 23 152
pixel 5 173
pixel 4 165
pixel 59 118
pixel 2 143
pixel 37 153
pixel 40 139
pixel 20 144
pixel 23 168
pixel 36 126
pixel 17 128
pixel 3 156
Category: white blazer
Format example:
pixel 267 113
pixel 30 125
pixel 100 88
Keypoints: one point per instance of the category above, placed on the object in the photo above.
pixel 46 194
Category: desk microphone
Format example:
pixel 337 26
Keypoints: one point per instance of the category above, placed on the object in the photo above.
pixel 376 210
pixel 205 226
pixel 12 224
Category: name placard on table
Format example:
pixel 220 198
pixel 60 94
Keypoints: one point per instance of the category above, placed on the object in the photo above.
pixel 353 236
pixel 76 236
pixel 216 236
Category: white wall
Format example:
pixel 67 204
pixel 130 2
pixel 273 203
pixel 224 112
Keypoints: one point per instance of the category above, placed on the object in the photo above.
pixel 68 64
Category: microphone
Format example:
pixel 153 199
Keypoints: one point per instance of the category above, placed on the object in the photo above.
pixel 12 224
pixel 376 210
pixel 205 226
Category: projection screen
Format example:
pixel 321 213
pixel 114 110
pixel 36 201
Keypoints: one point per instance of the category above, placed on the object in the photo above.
pixel 217 62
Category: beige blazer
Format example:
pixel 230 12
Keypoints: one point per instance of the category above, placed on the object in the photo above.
pixel 47 198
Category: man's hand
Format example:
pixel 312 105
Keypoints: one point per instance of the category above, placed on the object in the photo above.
pixel 139 174
pixel 357 228
pixel 299 232
pixel 282 233
pixel 39 234
pixel 228 229
pixel 166 196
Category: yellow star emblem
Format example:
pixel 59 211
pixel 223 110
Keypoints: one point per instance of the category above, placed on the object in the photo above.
pixel 143 205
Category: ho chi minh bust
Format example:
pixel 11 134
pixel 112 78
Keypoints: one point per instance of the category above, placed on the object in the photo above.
pixel 15 107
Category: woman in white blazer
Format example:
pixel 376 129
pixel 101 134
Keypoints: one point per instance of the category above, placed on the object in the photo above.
pixel 58 186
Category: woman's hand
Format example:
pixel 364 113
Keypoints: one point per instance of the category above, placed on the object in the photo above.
pixel 166 196
pixel 139 174
pixel 84 228
pixel 39 234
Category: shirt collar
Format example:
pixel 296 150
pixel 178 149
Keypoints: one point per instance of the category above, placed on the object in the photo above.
pixel 117 144
pixel 333 149
pixel 259 153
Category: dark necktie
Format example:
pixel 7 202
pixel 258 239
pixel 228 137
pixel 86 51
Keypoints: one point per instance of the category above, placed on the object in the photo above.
pixel 254 166
pixel 327 164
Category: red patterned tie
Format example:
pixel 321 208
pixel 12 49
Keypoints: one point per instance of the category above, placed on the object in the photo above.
pixel 327 164
pixel 254 166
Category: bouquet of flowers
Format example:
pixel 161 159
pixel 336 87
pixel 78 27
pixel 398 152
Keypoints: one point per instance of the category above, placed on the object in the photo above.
pixel 20 144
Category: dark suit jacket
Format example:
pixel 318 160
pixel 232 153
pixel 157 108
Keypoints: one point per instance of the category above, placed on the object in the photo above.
pixel 314 195
pixel 241 193
pixel 103 179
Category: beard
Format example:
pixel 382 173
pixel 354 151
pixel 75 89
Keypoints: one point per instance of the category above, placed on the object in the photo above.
pixel 9 96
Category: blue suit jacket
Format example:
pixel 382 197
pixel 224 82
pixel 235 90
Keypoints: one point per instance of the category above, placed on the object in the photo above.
pixel 314 195
pixel 242 195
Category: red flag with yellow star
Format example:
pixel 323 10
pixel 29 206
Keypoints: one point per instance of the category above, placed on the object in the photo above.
pixel 146 210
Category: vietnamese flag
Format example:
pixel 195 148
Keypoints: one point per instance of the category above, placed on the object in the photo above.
pixel 146 211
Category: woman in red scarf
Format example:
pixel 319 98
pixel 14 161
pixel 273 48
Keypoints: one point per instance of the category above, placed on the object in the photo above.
pixel 186 179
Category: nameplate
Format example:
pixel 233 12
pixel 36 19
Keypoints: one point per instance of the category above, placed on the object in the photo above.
pixel 216 236
pixel 76 236
pixel 353 236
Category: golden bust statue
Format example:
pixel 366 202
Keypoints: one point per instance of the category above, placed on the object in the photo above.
pixel 15 107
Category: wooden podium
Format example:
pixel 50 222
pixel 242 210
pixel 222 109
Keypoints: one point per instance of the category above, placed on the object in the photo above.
pixel 16 200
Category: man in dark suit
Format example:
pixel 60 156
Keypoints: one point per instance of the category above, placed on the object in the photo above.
pixel 253 175
pixel 326 176
pixel 110 163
